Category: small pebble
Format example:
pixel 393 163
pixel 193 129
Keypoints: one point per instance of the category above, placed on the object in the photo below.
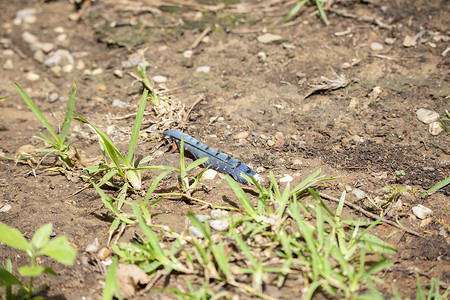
pixel 32 76
pixel 409 42
pixel 219 213
pixel 389 41
pixel 359 194
pixel 188 53
pixel 46 47
pixel 270 143
pixel 8 65
pixel 5 208
pixel 26 149
pixel 120 104
pixel 25 12
pixel 209 174
pixel 260 170
pixel 202 218
pixel 29 37
pixel 103 253
pixel 56 70
pixel 67 68
pixel 241 135
pixel 204 69
pixel 8 52
pixel 118 73
pixel 286 178
pixel 375 46
pixel 159 79
pixel 219 225
pixel 97 71
pixel 92 247
pixel 421 211
pixel 262 56
pixel 434 128
pixel 288 46
pixel 39 56
pixel 269 38
pixel 85 261
pixel 53 97
pixel 30 19
pixel 195 232
pixel 426 116
pixel 59 29
pixel 61 37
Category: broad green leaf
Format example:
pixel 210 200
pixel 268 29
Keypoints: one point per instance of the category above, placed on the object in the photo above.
pixel 42 236
pixel 6 278
pixel 13 238
pixel 60 250
pixel 137 127
pixel 36 111
pixel 31 271
pixel 69 114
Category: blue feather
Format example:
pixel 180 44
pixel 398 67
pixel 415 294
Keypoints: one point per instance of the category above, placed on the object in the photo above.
pixel 216 160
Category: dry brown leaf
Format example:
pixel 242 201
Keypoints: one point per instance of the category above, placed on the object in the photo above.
pixel 130 278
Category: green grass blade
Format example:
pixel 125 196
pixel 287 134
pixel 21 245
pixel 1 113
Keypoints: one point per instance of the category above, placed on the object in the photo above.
pixel 322 13
pixel 294 11
pixel 137 127
pixel 204 228
pixel 37 113
pixel 111 288
pixel 154 185
pixel 438 186
pixel 69 114
pixel 109 146
pixel 248 206
pixel 197 163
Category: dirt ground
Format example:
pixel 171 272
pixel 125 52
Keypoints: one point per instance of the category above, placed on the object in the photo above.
pixel 257 101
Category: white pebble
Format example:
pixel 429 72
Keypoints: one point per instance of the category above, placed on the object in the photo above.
pixel 59 29
pixel 5 208
pixel 25 12
pixel 97 71
pixel 195 232
pixel 56 70
pixel 375 46
pixel 219 225
pixel 118 73
pixel 32 76
pixel 30 19
pixel 39 56
pixel 241 135
pixel 286 178
pixel 426 116
pixel 68 68
pixel 61 37
pixel 159 78
pixel 389 41
pixel 409 42
pixel 29 37
pixel 8 52
pixel 204 69
pixel 120 104
pixel 209 174
pixel 262 56
pixel 219 213
pixel 359 194
pixel 188 53
pixel 434 128
pixel 268 38
pixel 92 247
pixel 421 211
pixel 8 65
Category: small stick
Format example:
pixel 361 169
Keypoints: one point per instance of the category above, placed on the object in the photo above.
pixel 369 214
pixel 200 37
pixel 199 99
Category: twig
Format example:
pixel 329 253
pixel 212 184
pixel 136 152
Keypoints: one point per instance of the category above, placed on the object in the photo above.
pixel 199 99
pixel 200 37
pixel 369 214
